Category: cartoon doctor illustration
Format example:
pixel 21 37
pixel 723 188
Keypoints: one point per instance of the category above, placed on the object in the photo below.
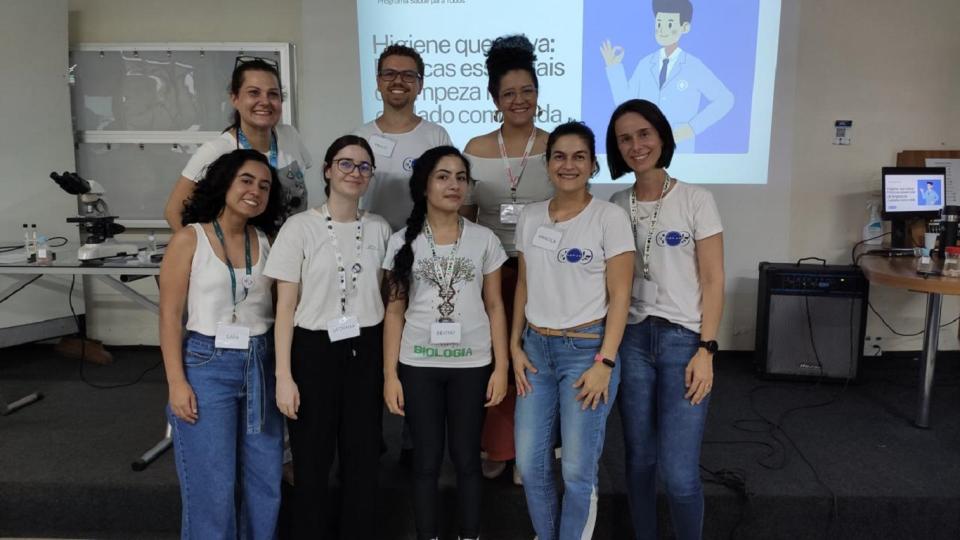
pixel 671 77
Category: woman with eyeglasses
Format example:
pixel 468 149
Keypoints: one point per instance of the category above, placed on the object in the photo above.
pixel 329 343
pixel 227 433
pixel 444 327
pixel 257 99
pixel 509 172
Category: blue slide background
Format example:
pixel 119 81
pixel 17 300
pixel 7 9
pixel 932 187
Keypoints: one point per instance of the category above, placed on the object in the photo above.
pixel 723 34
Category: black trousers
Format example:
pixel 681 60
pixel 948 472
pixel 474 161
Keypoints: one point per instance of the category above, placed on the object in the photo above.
pixel 438 400
pixel 341 410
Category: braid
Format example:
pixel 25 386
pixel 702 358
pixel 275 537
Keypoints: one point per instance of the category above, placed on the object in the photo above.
pixel 403 260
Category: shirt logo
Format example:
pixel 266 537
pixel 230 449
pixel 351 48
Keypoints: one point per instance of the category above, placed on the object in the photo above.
pixel 673 238
pixel 408 164
pixel 575 255
pixel 682 85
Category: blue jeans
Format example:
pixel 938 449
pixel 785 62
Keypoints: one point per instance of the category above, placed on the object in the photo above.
pixel 234 453
pixel 662 431
pixel 560 361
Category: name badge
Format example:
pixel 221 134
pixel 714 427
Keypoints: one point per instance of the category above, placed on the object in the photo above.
pixel 510 212
pixel 647 292
pixel 232 336
pixel 444 333
pixel 341 328
pixel 547 238
pixel 381 145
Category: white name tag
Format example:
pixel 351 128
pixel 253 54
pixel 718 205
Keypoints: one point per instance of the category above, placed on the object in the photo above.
pixel 648 291
pixel 381 145
pixel 343 328
pixel 510 212
pixel 547 238
pixel 444 333
pixel 232 336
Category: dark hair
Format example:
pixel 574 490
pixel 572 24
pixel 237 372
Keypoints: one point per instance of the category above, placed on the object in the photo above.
pixel 403 260
pixel 337 145
pixel 580 130
pixel 618 166
pixel 683 7
pixel 236 82
pixel 401 50
pixel 209 198
pixel 506 54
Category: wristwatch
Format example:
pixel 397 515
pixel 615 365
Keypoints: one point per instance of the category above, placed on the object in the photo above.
pixel 604 360
pixel 711 346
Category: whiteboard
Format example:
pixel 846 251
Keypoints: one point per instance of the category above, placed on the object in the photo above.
pixel 140 110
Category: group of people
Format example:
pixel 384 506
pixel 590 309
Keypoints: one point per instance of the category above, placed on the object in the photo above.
pixel 485 296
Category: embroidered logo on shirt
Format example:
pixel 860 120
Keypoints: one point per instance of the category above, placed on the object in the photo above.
pixel 408 164
pixel 673 238
pixel 575 255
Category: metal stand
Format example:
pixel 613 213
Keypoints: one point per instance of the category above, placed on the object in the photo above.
pixel 152 454
pixel 12 407
pixel 931 337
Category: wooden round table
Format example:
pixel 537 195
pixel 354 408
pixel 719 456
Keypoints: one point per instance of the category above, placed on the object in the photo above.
pixel 901 273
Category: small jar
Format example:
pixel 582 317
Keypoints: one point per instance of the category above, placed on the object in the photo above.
pixel 951 262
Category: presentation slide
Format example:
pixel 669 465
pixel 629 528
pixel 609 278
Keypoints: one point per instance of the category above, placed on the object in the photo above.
pixel 913 192
pixel 717 91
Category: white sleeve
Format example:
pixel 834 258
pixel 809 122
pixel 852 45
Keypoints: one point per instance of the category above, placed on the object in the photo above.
pixel 444 138
pixel 518 237
pixel 204 156
pixel 287 254
pixel 304 152
pixel 393 246
pixel 493 254
pixel 617 233
pixel 706 217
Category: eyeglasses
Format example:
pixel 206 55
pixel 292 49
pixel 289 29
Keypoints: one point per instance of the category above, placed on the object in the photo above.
pixel 408 76
pixel 527 93
pixel 347 166
pixel 243 59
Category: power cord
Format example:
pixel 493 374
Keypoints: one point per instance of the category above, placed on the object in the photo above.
pixel 20 288
pixel 82 334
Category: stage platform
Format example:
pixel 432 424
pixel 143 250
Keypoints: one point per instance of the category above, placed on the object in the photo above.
pixel 849 465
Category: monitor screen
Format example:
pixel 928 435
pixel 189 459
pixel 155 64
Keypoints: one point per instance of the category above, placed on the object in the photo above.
pixel 913 192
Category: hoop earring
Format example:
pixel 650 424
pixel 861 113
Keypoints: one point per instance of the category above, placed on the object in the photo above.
pixel 497 116
pixel 539 112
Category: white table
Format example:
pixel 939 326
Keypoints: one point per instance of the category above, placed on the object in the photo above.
pixel 111 273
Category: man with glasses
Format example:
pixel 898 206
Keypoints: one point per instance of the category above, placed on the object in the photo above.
pixel 398 136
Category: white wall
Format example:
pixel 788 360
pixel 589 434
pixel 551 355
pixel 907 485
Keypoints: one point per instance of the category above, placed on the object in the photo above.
pixel 36 139
pixel 886 65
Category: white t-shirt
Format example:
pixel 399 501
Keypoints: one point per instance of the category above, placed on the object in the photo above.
pixel 292 159
pixel 491 188
pixel 688 214
pixel 479 254
pixel 567 286
pixel 208 294
pixel 304 254
pixel 394 153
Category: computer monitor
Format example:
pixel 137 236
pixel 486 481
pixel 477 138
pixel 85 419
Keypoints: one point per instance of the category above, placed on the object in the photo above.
pixel 913 192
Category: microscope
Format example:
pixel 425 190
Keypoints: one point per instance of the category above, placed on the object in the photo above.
pixel 97 227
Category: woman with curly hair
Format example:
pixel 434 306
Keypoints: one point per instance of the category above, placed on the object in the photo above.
pixel 444 313
pixel 227 431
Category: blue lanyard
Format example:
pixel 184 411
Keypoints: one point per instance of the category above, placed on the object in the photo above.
pixel 242 142
pixel 248 278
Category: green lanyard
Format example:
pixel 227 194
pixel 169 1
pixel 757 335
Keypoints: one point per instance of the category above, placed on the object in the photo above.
pixel 247 280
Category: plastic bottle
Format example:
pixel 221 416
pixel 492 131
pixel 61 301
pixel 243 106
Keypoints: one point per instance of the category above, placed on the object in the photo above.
pixel 30 242
pixel 874 227
pixel 26 240
pixel 43 251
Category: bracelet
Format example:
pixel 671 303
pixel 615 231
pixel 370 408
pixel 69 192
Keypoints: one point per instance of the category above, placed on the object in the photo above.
pixel 604 360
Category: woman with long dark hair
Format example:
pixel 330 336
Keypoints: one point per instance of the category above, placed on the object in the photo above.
pixel 329 341
pixel 257 98
pixel 227 432
pixel 509 170
pixel 570 308
pixel 443 328
pixel 670 340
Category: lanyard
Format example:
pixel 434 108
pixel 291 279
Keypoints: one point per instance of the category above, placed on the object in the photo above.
pixel 515 180
pixel 341 269
pixel 247 280
pixel 635 222
pixel 445 275
pixel 242 142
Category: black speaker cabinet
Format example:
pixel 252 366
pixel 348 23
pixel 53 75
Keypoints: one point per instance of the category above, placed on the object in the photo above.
pixel 811 321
